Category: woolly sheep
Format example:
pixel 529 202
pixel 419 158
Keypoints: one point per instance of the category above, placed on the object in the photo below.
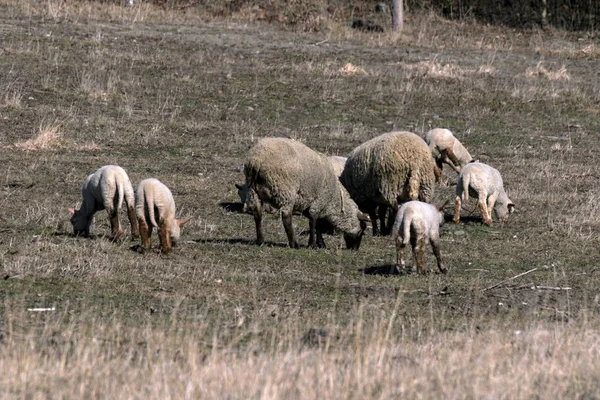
pixel 445 148
pixel 293 178
pixel 105 189
pixel 387 170
pixel 417 223
pixel 338 163
pixel 485 182
pixel 153 197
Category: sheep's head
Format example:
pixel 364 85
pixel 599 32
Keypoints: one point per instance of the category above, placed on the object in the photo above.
pixel 503 209
pixel 176 229
pixel 440 208
pixel 353 240
pixel 81 222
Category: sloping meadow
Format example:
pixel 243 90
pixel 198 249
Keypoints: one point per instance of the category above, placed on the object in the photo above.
pixel 181 98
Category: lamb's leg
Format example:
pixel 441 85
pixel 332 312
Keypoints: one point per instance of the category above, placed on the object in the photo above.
pixel 453 160
pixel 419 255
pixel 115 227
pixel 312 222
pixel 400 263
pixel 145 233
pixel 437 170
pixel 135 232
pixel 491 202
pixel 164 235
pixel 484 210
pixel 286 218
pixel 391 219
pixel 435 245
pixel 457 207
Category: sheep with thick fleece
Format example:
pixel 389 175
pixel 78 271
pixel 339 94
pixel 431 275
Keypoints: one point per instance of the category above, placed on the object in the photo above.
pixel 387 170
pixel 105 189
pixel 154 202
pixel 445 148
pixel 294 178
pixel 418 223
pixel 481 180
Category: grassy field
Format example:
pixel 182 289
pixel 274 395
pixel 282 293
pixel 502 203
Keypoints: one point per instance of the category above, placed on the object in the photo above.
pixel 182 97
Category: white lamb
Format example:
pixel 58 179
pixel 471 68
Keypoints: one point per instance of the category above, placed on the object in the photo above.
pixel 105 189
pixel 417 223
pixel 481 180
pixel 153 199
pixel 445 148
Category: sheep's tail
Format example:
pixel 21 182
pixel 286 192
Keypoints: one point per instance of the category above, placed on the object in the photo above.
pixel 121 194
pixel 406 230
pixel 149 201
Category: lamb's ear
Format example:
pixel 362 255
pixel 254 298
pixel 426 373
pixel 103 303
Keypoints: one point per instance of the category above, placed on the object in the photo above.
pixel 511 208
pixel 71 211
pixel 180 222
pixel 240 187
pixel 440 206
pixel 363 217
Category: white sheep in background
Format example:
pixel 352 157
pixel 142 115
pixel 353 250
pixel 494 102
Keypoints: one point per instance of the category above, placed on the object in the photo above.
pixel 387 170
pixel 294 178
pixel 445 148
pixel 418 223
pixel 105 189
pixel 485 182
pixel 154 202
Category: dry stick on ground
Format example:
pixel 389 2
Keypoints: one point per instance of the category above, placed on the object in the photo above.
pixel 538 287
pixel 509 279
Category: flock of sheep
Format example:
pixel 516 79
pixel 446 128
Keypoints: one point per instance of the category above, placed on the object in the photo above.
pixel 391 176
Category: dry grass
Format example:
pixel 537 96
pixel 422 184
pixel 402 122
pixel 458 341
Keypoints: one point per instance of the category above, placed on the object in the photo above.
pixel 48 137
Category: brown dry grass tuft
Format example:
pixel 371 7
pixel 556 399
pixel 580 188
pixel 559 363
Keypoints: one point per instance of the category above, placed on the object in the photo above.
pixel 49 137
pixel 540 71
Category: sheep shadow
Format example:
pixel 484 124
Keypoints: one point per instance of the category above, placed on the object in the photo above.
pixel 232 207
pixel 384 270
pixel 248 242
pixel 467 219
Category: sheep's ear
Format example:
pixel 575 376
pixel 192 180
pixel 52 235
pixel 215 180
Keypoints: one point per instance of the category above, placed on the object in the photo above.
pixel 237 185
pixel 440 206
pixel 511 208
pixel 363 217
pixel 71 211
pixel 181 222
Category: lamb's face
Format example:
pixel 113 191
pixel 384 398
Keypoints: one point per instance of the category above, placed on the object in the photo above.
pixel 353 241
pixel 503 210
pixel 80 222
pixel 440 215
pixel 175 232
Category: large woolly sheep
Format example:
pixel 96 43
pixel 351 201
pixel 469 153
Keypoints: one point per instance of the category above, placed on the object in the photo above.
pixel 105 189
pixel 485 182
pixel 418 223
pixel 293 178
pixel 154 202
pixel 445 148
pixel 387 170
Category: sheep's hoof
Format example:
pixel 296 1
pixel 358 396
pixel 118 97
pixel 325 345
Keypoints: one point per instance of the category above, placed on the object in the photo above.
pixel 443 270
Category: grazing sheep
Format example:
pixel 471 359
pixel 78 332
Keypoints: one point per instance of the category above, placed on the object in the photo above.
pixel 417 223
pixel 293 178
pixel 387 170
pixel 105 189
pixel 445 148
pixel 153 199
pixel 338 163
pixel 485 182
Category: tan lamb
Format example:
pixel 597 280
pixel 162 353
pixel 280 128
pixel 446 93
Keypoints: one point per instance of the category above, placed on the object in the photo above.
pixel 154 202
pixel 105 189
pixel 418 223
pixel 481 180
pixel 445 148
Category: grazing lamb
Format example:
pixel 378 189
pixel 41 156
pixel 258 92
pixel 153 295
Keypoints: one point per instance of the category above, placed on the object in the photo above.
pixel 294 178
pixel 153 199
pixel 445 148
pixel 105 189
pixel 387 170
pixel 418 223
pixel 485 182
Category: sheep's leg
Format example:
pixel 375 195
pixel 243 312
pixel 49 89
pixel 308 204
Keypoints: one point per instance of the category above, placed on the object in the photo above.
pixel 373 216
pixel 484 210
pixel 437 170
pixel 286 218
pixel 115 227
pixel 391 220
pixel 312 222
pixel 164 235
pixel 419 255
pixel 400 263
pixel 320 241
pixel 135 231
pixel 257 213
pixel 453 160
pixel 145 233
pixel 435 245
pixel 457 207
pixel 491 203
pixel 382 211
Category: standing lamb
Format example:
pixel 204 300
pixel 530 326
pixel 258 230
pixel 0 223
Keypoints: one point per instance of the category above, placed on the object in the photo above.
pixel 387 170
pixel 418 223
pixel 294 178
pixel 105 189
pixel 485 182
pixel 153 199
pixel 445 148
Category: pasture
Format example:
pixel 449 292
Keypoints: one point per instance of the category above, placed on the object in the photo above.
pixel 181 97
